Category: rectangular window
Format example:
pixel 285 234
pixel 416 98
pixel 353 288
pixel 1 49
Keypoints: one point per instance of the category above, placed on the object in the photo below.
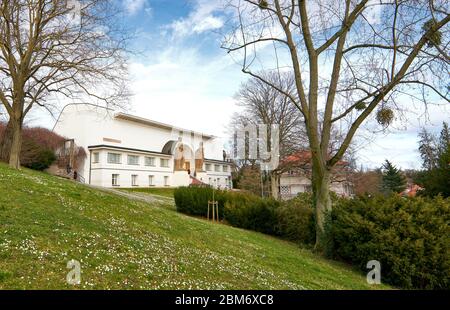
pixel 114 158
pixel 150 161
pixel 133 160
pixel 225 168
pixel 134 180
pixel 164 162
pixel 115 180
pixel 208 167
pixel 150 180
pixel 96 158
pixel 166 181
pixel 217 168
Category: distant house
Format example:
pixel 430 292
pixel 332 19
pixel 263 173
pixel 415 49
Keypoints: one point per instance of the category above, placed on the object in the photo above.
pixel 296 177
pixel 130 151
pixel 411 190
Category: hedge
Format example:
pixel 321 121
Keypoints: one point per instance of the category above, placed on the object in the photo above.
pixel 251 212
pixel 410 237
pixel 296 220
pixel 292 220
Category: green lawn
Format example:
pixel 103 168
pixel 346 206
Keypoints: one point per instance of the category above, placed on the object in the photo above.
pixel 122 244
pixel 160 191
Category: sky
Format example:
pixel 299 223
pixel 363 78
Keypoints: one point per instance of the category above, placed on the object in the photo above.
pixel 181 76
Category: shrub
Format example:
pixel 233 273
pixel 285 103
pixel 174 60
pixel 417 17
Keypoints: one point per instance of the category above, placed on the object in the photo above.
pixel 410 237
pixel 38 146
pixel 251 212
pixel 40 160
pixel 295 219
pixel 194 200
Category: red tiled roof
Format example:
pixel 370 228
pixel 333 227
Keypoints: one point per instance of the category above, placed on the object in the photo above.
pixel 195 181
pixel 304 157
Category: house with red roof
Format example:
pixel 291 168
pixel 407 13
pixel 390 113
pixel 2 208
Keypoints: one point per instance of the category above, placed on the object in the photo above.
pixel 296 176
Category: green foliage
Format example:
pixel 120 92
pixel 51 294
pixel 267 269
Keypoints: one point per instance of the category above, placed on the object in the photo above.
pixel 392 181
pixel 295 219
pixel 409 236
pixel 194 200
pixel 36 156
pixel 251 212
pixel 292 219
pixel 436 179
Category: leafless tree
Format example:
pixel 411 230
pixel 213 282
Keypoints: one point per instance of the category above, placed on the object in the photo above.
pixel 262 104
pixel 57 49
pixel 348 65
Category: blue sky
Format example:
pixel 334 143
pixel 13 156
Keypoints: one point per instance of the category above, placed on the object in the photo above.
pixel 181 76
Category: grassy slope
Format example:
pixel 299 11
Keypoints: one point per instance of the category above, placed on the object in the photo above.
pixel 160 191
pixel 46 221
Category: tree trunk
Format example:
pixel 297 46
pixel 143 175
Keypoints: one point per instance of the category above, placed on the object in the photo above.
pixel 274 184
pixel 322 204
pixel 6 142
pixel 16 144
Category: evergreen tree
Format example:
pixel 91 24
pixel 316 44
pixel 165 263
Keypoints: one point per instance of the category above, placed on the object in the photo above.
pixel 428 149
pixel 393 180
pixel 436 181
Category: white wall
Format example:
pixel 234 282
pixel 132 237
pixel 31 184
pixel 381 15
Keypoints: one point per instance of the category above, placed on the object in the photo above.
pixel 89 126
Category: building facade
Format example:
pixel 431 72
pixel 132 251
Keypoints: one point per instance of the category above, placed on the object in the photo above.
pixel 124 150
pixel 296 177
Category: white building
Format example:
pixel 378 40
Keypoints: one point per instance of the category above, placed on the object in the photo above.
pixel 296 177
pixel 130 151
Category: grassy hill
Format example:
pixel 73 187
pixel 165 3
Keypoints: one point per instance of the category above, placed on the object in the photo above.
pixel 125 244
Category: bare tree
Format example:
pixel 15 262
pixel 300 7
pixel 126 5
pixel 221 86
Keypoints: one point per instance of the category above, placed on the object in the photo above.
pixel 347 65
pixel 54 49
pixel 262 104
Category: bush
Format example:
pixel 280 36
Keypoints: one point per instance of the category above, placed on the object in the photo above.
pixel 251 212
pixel 194 200
pixel 35 156
pixel 295 220
pixel 410 237
pixel 38 146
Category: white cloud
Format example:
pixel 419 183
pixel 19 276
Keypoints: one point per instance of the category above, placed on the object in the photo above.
pixel 180 87
pixel 134 6
pixel 202 18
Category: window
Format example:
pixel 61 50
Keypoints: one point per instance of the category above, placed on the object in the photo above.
pixel 164 162
pixel 114 158
pixel 166 181
pixel 150 180
pixel 96 158
pixel 150 161
pixel 133 160
pixel 217 168
pixel 208 167
pixel 115 180
pixel 134 180
pixel 225 168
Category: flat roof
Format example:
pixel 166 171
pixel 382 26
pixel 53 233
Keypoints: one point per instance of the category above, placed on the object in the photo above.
pixel 149 122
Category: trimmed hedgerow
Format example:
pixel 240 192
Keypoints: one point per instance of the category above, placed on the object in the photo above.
pixel 194 200
pixel 410 237
pixel 251 212
pixel 295 219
